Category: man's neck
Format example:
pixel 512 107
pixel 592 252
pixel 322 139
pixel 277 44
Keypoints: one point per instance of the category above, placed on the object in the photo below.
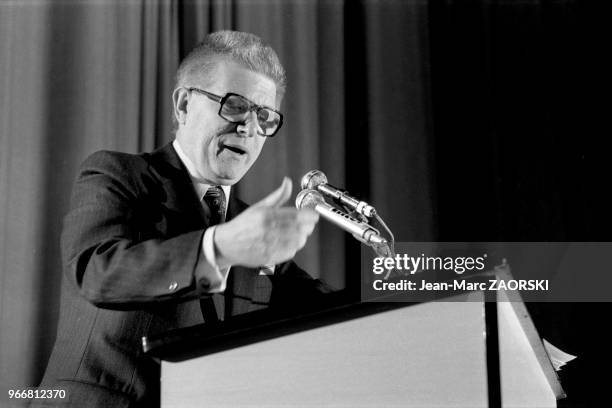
pixel 200 187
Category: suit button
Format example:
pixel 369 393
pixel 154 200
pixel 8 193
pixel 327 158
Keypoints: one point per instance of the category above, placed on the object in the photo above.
pixel 173 286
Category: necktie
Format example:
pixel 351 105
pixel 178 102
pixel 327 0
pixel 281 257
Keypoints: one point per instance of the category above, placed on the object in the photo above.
pixel 213 306
pixel 215 200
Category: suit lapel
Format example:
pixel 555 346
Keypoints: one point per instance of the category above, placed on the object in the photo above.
pixel 181 201
pixel 234 207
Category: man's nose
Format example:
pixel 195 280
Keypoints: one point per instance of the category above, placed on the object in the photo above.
pixel 249 127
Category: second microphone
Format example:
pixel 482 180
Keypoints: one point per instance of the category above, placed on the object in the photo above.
pixel 363 232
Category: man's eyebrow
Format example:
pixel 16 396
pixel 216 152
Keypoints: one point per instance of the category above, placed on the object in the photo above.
pixel 254 103
pixel 261 105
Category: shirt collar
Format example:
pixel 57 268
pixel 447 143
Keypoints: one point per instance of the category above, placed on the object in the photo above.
pixel 200 188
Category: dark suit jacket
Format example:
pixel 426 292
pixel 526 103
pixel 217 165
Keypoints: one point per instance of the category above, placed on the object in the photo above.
pixel 129 247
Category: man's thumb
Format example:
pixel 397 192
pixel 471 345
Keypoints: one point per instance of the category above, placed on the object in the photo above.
pixel 278 197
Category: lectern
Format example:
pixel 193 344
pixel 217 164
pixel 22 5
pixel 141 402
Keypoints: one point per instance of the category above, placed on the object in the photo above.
pixel 460 352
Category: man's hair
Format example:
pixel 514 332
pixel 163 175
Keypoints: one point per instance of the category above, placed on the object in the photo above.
pixel 245 49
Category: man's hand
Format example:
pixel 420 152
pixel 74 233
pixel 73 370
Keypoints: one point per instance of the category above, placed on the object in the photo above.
pixel 265 233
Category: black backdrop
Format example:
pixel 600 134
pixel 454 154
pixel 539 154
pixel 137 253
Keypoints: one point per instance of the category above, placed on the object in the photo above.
pixel 517 146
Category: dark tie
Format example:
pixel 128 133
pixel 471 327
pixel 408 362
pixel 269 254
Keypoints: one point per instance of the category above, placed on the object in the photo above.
pixel 213 307
pixel 215 200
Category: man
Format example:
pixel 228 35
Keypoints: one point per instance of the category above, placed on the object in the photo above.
pixel 144 245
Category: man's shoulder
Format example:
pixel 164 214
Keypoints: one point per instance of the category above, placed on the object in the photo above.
pixel 114 161
pixel 163 160
pixel 120 171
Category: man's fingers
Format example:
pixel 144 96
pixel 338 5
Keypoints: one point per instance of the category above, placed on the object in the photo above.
pixel 278 197
pixel 308 216
pixel 292 215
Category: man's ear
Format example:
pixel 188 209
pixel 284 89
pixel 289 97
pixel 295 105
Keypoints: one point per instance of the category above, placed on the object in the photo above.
pixel 180 98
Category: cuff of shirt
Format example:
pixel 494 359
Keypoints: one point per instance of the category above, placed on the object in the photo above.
pixel 208 273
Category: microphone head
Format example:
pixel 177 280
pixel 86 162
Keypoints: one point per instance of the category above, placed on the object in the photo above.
pixel 308 199
pixel 312 179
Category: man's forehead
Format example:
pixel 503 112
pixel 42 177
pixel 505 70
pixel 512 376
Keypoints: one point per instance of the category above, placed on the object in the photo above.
pixel 229 76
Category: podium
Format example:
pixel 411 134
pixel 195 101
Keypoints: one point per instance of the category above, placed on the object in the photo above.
pixel 461 353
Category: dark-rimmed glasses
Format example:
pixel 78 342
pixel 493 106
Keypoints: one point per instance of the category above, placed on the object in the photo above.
pixel 236 108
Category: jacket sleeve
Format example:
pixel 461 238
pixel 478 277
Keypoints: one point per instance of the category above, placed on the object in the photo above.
pixel 108 254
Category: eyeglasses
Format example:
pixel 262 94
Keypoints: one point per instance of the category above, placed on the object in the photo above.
pixel 236 108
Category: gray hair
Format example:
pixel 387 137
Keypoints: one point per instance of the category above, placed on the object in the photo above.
pixel 245 49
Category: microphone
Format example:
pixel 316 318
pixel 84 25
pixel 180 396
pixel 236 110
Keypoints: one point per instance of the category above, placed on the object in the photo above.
pixel 363 232
pixel 316 180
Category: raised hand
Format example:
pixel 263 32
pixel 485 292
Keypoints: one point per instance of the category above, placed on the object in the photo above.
pixel 265 233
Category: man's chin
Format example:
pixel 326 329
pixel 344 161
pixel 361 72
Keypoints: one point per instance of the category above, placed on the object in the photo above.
pixel 228 177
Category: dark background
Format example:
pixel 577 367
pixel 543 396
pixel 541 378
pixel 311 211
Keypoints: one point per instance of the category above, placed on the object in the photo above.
pixel 518 147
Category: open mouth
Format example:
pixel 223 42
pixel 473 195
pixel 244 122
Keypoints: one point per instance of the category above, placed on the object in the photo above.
pixel 233 148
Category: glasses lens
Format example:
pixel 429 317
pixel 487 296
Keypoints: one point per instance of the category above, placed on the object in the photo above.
pixel 268 120
pixel 236 108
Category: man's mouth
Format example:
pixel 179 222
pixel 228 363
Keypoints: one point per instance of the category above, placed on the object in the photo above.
pixel 233 148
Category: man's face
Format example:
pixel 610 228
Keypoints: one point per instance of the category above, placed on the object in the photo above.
pixel 222 152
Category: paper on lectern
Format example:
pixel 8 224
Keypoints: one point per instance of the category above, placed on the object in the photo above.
pixel 557 356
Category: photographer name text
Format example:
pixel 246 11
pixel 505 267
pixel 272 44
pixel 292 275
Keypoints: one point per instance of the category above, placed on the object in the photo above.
pixel 460 285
